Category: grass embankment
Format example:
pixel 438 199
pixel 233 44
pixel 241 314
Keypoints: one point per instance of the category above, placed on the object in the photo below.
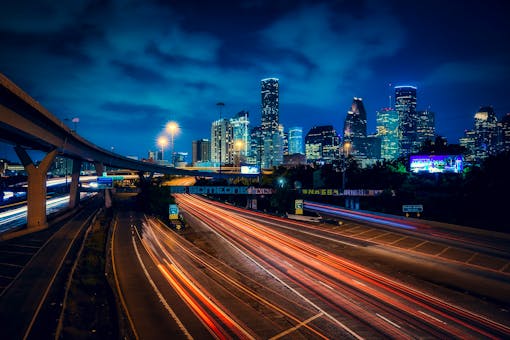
pixel 91 311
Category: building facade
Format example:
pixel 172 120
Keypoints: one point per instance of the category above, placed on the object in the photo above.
pixel 201 151
pixel 221 141
pixel 486 134
pixel 405 105
pixel 240 125
pixel 273 144
pixel 256 145
pixel 505 133
pixel 355 129
pixel 387 131
pixel 322 144
pixel 425 127
pixel 296 140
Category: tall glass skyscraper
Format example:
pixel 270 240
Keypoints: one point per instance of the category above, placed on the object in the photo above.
pixel 240 136
pixel 295 140
pixel 256 145
pixel 425 127
pixel 273 146
pixel 405 105
pixel 486 133
pixel 221 140
pixel 387 131
pixel 355 129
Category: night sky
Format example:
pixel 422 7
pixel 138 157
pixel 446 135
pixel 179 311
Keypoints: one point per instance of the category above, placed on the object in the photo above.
pixel 125 68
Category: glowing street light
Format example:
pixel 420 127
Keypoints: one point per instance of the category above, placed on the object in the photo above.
pixel 162 143
pixel 172 128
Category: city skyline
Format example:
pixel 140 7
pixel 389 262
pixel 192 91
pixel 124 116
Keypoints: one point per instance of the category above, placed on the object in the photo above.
pixel 122 66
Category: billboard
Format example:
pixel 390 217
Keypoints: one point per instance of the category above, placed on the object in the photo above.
pixel 436 163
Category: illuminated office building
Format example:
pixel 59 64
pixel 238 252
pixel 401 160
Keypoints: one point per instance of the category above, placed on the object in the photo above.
pixel 221 141
pixel 387 131
pixel 486 134
pixel 272 153
pixel 240 146
pixel 405 105
pixel 355 129
pixel 505 133
pixel 295 140
pixel 425 127
pixel 322 144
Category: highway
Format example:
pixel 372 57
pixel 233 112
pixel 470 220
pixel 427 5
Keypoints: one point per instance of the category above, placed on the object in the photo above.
pixel 149 302
pixel 341 297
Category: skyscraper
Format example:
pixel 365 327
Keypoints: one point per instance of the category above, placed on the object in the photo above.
pixel 425 127
pixel 201 151
pixel 405 105
pixel 273 146
pixel 505 133
pixel 256 145
pixel 221 140
pixel 355 128
pixel 468 143
pixel 486 133
pixel 321 144
pixel 387 131
pixel 295 140
pixel 241 136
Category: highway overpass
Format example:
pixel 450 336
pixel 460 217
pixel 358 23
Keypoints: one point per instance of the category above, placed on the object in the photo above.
pixel 27 125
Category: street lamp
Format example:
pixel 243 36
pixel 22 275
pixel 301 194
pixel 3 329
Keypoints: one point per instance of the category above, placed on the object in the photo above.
pixel 162 143
pixel 172 128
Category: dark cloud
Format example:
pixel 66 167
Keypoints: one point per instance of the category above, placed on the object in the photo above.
pixel 139 73
pixel 147 111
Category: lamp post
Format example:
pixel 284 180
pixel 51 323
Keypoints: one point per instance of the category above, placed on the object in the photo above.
pixel 220 105
pixel 162 143
pixel 172 128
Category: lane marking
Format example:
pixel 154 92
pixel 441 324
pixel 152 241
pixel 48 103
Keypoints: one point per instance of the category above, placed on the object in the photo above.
pixel 359 282
pixel 387 320
pixel 432 317
pixel 442 252
pixel 398 240
pixel 418 245
pixel 296 327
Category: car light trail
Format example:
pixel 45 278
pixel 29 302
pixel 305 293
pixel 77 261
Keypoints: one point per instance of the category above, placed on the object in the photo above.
pixel 195 296
pixel 358 215
pixel 325 274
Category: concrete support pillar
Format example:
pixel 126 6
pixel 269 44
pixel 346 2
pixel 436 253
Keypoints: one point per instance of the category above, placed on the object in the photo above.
pixel 36 192
pixel 106 195
pixel 74 190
